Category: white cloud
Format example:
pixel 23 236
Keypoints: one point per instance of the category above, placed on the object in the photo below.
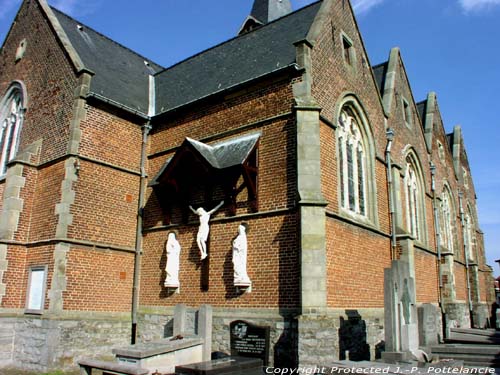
pixel 471 5
pixel 6 6
pixel 363 6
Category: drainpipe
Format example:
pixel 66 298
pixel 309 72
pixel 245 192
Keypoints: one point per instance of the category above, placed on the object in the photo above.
pixel 138 236
pixel 390 137
pixel 437 237
pixel 462 220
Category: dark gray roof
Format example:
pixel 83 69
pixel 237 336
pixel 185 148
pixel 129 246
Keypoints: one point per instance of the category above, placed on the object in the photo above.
pixel 236 61
pixel 449 139
pixel 221 155
pixel 269 10
pixel 379 71
pixel 120 74
pixel 421 109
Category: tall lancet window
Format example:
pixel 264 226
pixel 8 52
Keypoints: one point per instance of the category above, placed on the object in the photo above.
pixel 11 118
pixel 352 164
pixel 448 220
pixel 468 239
pixel 414 196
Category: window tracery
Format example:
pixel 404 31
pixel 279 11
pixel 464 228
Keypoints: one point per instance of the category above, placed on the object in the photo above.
pixel 11 118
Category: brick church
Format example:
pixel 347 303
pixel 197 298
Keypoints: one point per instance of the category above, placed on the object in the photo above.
pixel 331 163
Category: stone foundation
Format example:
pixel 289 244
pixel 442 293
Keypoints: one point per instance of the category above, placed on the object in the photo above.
pixel 154 325
pixel 480 315
pixel 457 316
pixel 45 344
pixel 341 334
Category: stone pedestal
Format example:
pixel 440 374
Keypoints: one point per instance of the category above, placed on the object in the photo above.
pixel 401 324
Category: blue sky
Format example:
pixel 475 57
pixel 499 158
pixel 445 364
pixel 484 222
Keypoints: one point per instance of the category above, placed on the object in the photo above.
pixel 451 47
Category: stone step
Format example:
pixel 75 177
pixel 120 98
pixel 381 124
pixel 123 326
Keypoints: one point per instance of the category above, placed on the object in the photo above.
pixel 479 332
pixel 467 349
pixel 474 336
pixel 472 355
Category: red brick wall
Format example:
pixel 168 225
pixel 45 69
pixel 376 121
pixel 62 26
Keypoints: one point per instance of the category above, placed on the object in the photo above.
pixel 98 280
pixel 356 259
pixel 111 139
pixel 28 195
pixel 15 278
pixel 273 262
pixel 105 206
pixel 49 78
pixel 272 265
pixel 332 79
pixel 427 277
pixel 47 194
pixel 460 282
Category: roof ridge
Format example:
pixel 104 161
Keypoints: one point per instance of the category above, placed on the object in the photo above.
pixel 108 38
pixel 238 36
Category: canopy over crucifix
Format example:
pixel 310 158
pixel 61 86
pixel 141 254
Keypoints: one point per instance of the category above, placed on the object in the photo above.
pixel 231 166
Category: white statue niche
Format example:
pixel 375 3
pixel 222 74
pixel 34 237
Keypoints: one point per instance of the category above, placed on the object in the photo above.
pixel 240 251
pixel 173 249
pixel 204 229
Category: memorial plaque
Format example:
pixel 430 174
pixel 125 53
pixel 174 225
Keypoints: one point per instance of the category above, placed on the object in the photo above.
pixel 249 340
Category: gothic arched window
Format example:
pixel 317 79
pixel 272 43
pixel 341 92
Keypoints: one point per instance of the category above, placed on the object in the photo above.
pixel 448 216
pixel 414 192
pixel 468 238
pixel 11 119
pixel 352 164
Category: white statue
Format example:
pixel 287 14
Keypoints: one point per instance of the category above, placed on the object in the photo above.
pixel 203 230
pixel 240 249
pixel 173 249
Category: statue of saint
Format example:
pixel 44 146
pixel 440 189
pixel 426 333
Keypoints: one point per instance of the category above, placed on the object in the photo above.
pixel 203 230
pixel 173 249
pixel 240 249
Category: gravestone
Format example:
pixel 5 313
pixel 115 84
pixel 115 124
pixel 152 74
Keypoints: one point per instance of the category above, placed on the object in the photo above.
pixel 428 325
pixel 249 340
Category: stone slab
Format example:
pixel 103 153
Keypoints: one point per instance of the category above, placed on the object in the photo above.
pixel 227 366
pixel 87 365
pixel 150 349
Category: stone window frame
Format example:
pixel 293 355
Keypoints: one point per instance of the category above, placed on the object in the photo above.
pixel 448 215
pixel 469 238
pixel 441 153
pixel 11 129
pixel 348 51
pixel 407 112
pixel 465 177
pixel 366 140
pixel 414 191
pixel 29 290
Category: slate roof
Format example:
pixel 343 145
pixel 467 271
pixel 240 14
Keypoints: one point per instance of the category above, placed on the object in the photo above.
pixel 379 71
pixel 120 74
pixel 449 139
pixel 221 155
pixel 244 58
pixel 421 109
